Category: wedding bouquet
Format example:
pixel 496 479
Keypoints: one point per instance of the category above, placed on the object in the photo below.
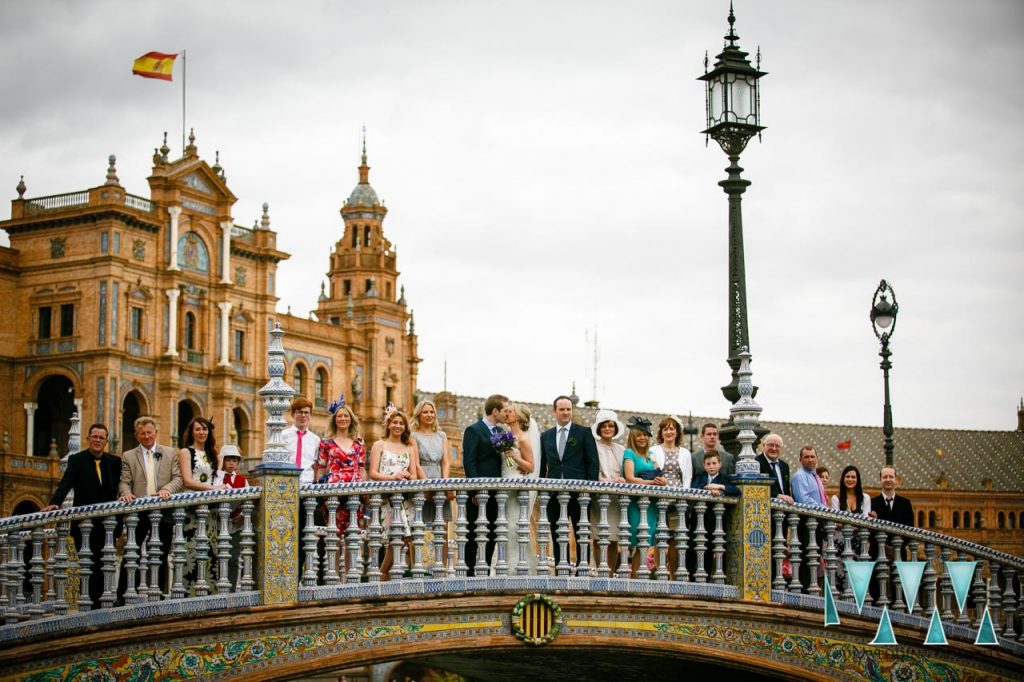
pixel 503 441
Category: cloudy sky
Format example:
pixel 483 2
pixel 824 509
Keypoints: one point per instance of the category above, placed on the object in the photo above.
pixel 545 177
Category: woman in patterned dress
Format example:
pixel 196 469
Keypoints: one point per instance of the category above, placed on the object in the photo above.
pixel 342 458
pixel 199 461
pixel 395 458
pixel 677 464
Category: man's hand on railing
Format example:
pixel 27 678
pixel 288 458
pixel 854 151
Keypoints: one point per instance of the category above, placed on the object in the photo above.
pixel 785 498
pixel 50 507
pixel 127 497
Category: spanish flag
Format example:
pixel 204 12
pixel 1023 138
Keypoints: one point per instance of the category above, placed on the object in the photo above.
pixel 154 65
pixel 845 445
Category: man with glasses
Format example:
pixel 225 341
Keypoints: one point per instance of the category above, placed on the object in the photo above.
pixel 303 445
pixel 93 474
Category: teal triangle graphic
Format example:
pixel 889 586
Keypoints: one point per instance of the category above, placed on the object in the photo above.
pixel 859 575
pixel 831 615
pixel 936 635
pixel 986 633
pixel 910 578
pixel 884 636
pixel 960 574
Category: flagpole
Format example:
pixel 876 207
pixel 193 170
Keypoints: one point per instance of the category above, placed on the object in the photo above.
pixel 184 83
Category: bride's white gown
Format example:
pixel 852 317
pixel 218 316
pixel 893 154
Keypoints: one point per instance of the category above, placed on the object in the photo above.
pixel 512 506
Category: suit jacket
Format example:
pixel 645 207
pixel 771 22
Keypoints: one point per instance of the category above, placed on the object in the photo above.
pixel 133 471
pixel 479 458
pixel 902 511
pixel 700 480
pixel 80 476
pixel 783 468
pixel 579 461
pixel 728 461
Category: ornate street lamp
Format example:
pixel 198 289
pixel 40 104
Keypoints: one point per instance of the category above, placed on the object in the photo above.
pixel 733 117
pixel 883 321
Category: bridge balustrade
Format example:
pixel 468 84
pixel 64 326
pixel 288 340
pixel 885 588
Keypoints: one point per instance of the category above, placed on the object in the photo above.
pixel 809 543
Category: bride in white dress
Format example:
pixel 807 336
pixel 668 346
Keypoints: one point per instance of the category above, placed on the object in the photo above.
pixel 520 462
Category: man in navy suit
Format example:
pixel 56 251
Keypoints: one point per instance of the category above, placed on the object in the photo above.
pixel 567 451
pixel 774 467
pixel 94 476
pixel 481 460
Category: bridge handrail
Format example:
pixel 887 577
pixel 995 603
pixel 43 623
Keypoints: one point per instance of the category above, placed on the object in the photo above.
pixel 908 532
pixel 13 524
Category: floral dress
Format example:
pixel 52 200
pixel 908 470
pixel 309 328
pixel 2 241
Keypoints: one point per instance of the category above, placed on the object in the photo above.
pixel 203 470
pixel 342 467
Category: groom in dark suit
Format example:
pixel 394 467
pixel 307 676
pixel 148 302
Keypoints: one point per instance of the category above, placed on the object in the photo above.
pixel 567 451
pixel 481 460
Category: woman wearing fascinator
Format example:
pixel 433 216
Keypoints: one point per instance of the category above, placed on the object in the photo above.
pixel 519 462
pixel 342 456
pixel 638 468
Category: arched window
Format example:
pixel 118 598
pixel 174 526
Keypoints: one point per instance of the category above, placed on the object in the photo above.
pixel 190 331
pixel 321 386
pixel 956 519
pixel 1001 521
pixel 1013 521
pixel 920 519
pixel 977 520
pixel 299 379
pixel 932 520
pixel 967 519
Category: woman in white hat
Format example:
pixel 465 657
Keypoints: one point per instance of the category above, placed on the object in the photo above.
pixel 606 429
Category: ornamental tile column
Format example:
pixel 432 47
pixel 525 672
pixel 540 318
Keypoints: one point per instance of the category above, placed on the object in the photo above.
pixel 30 427
pixel 175 212
pixel 225 259
pixel 279 478
pixel 172 321
pixel 749 537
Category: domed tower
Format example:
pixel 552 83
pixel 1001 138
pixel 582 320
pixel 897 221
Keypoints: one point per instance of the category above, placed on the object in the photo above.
pixel 364 299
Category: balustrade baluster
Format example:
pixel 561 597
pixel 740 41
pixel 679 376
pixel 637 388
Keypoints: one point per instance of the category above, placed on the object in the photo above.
pixel 795 556
pixel 1009 602
pixel 178 551
pixel 929 581
pixel 978 592
pixel 353 541
pixel 481 569
pixel 224 548
pixel 500 535
pixel 3 569
pixel 700 536
pixel 36 573
pixel 562 531
pixel 682 542
pixel 309 543
pixel 897 585
pixel 847 555
pixel 60 604
pixel 913 556
pixel 946 585
pixel 143 587
pixel 995 601
pixel 462 533
pixel 603 536
pixel 812 556
pixel 131 563
pixel 155 551
pixel 13 580
pixel 882 569
pixel 201 586
pixel 831 560
pixel 246 579
pixel 438 568
pixel 395 533
pixel 583 546
pixel 51 545
pixel 418 546
pixel 962 618
pixel 331 539
pixel 718 544
pixel 24 537
pixel 624 556
pixel 643 538
pixel 523 534
pixel 779 549
pixel 661 539
pixel 84 557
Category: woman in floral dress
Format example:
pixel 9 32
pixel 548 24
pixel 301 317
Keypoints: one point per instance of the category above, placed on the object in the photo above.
pixel 199 461
pixel 342 457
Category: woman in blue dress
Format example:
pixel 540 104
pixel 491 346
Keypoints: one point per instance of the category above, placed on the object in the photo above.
pixel 638 468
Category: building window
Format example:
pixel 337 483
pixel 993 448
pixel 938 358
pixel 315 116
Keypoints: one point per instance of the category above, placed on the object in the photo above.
pixel 920 519
pixel 117 242
pixel 238 346
pixel 1013 521
pixel 967 519
pixel 366 235
pixel 190 331
pixel 1001 520
pixel 932 520
pixel 45 318
pixel 347 285
pixel 67 319
pixel 389 393
pixel 369 284
pixel 387 291
pixel 103 313
pixel 956 519
pixel 355 236
pixel 320 386
pixel 104 242
pixel 135 323
pixel 977 520
pixel 299 379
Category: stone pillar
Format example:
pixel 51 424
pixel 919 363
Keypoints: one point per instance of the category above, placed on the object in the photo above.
pixel 30 427
pixel 172 322
pixel 225 262
pixel 175 212
pixel 279 477
pixel 750 532
pixel 225 328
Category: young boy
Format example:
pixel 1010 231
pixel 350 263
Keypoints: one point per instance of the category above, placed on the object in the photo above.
pixel 710 480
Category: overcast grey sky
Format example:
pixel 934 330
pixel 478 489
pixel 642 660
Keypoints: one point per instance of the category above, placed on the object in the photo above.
pixel 544 173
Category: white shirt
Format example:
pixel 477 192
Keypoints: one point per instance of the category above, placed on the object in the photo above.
pixel 310 450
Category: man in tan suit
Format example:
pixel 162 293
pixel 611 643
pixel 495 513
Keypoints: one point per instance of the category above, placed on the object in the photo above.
pixel 149 470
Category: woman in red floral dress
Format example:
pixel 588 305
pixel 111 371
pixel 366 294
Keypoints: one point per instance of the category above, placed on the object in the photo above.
pixel 342 457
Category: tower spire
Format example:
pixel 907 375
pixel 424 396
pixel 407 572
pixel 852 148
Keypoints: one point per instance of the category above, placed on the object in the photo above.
pixel 364 170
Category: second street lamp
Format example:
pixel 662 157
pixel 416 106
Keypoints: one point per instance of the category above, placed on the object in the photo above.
pixel 883 322
pixel 733 117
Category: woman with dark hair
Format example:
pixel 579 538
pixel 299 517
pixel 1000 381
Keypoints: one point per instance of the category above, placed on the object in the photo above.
pixel 851 495
pixel 199 461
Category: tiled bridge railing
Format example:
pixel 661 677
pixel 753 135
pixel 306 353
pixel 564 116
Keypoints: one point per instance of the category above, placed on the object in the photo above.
pixel 714 547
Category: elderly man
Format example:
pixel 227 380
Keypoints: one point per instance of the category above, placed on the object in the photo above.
pixel 773 466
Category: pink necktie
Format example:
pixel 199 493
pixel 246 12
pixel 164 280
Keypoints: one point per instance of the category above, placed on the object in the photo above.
pixel 821 490
pixel 298 451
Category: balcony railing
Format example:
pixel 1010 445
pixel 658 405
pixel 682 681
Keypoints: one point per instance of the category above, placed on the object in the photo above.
pixel 56 202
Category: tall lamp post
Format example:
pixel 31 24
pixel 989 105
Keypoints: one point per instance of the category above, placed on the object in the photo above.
pixel 883 321
pixel 733 107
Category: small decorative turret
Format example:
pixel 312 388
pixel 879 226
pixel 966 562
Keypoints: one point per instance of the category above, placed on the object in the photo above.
pixel 1020 416
pixel 112 171
pixel 401 298
pixel 217 167
pixel 191 149
pixel 265 220
pixel 412 323
pixel 745 413
pixel 164 149
pixel 276 395
pixel 21 187
pixel 323 293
